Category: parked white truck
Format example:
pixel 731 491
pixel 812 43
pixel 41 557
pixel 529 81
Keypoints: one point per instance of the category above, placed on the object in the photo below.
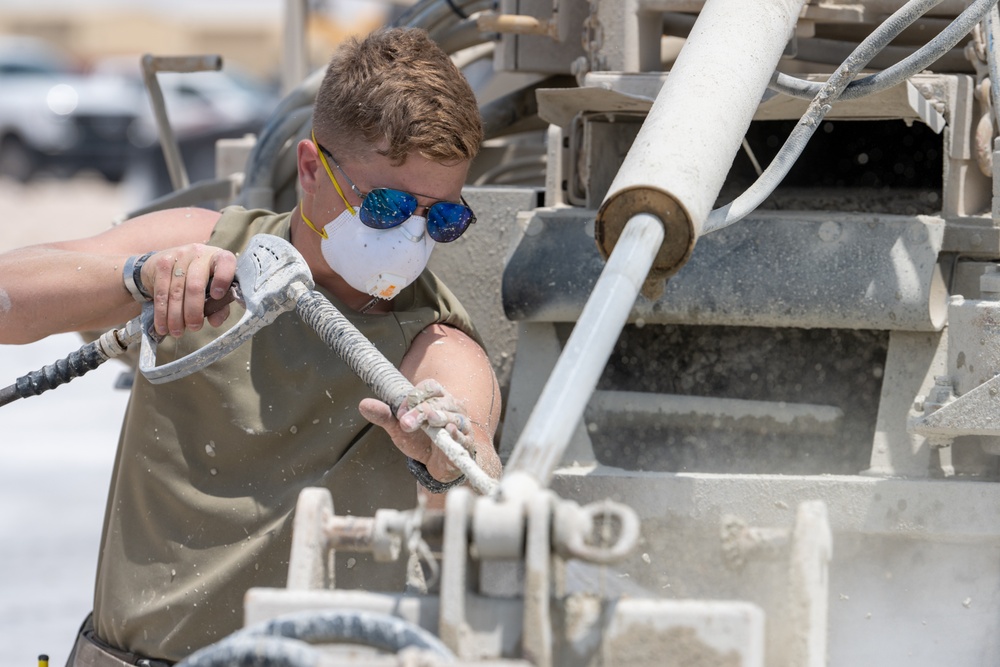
pixel 54 117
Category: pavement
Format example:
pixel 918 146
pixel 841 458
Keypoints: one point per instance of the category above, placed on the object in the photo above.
pixel 56 449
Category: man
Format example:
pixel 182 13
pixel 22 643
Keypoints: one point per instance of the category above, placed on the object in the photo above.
pixel 209 467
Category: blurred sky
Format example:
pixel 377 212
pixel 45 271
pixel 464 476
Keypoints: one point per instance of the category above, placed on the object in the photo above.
pixel 76 26
pixel 245 9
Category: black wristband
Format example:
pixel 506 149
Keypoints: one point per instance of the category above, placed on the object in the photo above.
pixel 419 470
pixel 132 276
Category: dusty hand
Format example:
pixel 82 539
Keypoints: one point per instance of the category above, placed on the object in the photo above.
pixel 178 278
pixel 428 404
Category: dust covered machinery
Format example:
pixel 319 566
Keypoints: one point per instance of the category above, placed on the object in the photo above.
pixel 736 267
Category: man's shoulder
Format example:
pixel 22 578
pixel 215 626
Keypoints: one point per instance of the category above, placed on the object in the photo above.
pixel 236 225
pixel 430 291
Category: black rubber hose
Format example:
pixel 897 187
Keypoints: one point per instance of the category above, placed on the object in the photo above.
pixel 368 628
pixel 416 15
pixel 86 359
pixel 263 155
pixel 254 652
pixel 508 110
pixel 285 641
pixel 436 16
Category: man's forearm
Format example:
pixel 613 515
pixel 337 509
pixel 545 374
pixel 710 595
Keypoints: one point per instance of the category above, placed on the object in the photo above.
pixel 44 291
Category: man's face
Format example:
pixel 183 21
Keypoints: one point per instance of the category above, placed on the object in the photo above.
pixel 379 221
pixel 377 189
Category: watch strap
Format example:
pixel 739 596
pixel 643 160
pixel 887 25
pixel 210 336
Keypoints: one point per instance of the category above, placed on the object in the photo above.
pixel 419 470
pixel 132 277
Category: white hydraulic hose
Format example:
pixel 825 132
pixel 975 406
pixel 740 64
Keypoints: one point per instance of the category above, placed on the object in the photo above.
pixel 562 402
pixel 776 171
pixel 912 64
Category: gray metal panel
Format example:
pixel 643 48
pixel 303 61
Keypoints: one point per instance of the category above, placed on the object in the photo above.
pixel 619 92
pixel 805 270
pixel 471 266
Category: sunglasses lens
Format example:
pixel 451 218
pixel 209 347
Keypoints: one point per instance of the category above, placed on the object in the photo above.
pixel 447 221
pixel 384 208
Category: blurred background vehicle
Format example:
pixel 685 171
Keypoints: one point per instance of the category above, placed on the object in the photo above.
pixel 197 103
pixel 55 117
pixel 59 117
pixel 202 107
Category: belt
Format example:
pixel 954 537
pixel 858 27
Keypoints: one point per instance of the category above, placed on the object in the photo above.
pixel 89 651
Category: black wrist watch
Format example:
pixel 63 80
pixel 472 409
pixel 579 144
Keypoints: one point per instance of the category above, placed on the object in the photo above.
pixel 419 470
pixel 132 277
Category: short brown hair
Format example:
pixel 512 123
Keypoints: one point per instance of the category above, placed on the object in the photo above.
pixel 397 91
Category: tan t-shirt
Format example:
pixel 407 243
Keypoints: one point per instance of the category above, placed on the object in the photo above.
pixel 209 467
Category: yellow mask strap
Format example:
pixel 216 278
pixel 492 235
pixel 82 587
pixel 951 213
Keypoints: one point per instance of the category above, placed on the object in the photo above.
pixel 329 172
pixel 321 232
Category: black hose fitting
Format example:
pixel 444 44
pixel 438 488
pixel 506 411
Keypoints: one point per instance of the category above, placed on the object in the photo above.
pixel 87 358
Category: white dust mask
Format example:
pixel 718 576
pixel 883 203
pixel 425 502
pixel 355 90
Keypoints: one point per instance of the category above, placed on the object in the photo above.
pixel 379 262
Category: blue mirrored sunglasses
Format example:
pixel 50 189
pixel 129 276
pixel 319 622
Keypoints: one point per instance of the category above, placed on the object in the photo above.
pixel 385 208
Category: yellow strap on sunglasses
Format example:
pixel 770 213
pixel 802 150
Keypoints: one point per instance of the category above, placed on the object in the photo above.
pixel 329 172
